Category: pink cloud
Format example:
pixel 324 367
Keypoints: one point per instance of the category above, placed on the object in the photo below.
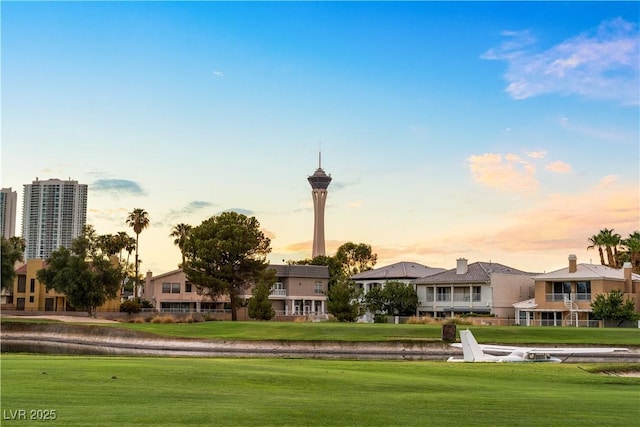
pixel 509 173
pixel 559 167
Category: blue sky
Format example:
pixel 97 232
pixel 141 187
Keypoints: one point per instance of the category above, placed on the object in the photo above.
pixel 503 132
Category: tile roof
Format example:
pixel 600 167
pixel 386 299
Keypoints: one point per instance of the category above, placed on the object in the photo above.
pixel 587 272
pixel 399 270
pixel 476 272
pixel 308 271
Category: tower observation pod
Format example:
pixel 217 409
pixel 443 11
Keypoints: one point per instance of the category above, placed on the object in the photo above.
pixel 319 182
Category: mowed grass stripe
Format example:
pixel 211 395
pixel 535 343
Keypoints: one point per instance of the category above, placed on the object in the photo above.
pixel 334 331
pixel 275 392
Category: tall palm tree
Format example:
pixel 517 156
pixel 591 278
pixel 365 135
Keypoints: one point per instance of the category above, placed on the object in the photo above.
pixel 631 251
pixel 138 219
pixel 596 242
pixel 610 241
pixel 181 234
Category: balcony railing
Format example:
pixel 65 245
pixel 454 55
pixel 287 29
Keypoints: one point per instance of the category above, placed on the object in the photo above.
pixel 279 293
pixel 466 298
pixel 559 297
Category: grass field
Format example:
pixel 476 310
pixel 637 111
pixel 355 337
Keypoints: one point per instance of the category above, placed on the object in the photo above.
pixel 105 391
pixel 335 331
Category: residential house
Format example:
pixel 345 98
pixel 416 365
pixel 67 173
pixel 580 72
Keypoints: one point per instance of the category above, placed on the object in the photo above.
pixel 299 290
pixel 563 297
pixel 479 287
pixel 31 295
pixel 405 272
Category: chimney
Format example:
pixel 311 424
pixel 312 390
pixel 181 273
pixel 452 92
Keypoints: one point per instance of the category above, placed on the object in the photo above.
pixel 573 266
pixel 628 282
pixel 461 267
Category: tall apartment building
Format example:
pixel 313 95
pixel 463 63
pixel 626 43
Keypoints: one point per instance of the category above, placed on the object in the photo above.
pixel 8 202
pixel 54 213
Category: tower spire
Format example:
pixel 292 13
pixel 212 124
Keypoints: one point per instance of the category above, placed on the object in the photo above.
pixel 319 182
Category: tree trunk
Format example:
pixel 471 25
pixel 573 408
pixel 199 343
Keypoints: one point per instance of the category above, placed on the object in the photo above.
pixel 601 256
pixel 612 262
pixel 234 307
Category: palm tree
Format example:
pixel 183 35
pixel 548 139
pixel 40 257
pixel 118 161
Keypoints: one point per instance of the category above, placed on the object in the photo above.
pixel 610 241
pixel 596 242
pixel 631 251
pixel 138 219
pixel 181 234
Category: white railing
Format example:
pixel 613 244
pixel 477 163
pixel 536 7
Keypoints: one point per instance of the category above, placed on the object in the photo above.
pixel 559 297
pixel 279 293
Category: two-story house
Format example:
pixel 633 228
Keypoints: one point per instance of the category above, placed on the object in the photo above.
pixel 563 297
pixel 480 287
pixel 299 290
pixel 405 272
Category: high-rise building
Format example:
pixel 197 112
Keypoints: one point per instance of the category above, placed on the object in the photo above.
pixel 54 213
pixel 319 183
pixel 8 202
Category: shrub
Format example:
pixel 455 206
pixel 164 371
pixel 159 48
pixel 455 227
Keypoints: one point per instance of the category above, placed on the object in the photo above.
pixel 130 306
pixel 380 318
pixel 167 318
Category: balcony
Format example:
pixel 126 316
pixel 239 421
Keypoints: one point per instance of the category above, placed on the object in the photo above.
pixel 575 297
pixel 279 293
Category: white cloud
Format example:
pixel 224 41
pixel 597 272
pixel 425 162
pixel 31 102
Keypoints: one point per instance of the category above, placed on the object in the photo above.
pixel 559 167
pixel 601 64
pixel 537 154
pixel 508 172
pixel 607 181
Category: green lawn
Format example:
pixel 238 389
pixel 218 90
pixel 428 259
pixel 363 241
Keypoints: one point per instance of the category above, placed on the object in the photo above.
pixel 335 331
pixel 104 391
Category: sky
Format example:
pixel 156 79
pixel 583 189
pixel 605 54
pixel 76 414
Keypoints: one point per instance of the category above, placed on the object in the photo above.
pixel 500 131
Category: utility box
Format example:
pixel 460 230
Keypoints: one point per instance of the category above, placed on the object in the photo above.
pixel 449 333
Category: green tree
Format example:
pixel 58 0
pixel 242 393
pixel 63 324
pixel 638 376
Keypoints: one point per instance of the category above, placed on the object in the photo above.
pixel 612 306
pixel 260 307
pixel 12 252
pixel 138 220
pixel 596 242
pixel 181 234
pixel 342 301
pixel 226 254
pixel 395 298
pixel 84 273
pixel 355 258
pixel 335 269
pixel 400 299
pixel 631 251
pixel 350 258
pixel 610 240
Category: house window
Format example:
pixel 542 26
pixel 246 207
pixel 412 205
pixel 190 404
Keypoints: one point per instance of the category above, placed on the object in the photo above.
pixel 318 287
pixel 187 287
pixel 22 284
pixel 31 298
pixel 444 294
pixel 583 291
pixel 170 288
pixel 32 285
pixel 477 293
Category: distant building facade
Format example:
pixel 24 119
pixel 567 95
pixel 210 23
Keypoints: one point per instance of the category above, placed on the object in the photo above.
pixel 54 213
pixel 299 290
pixel 480 287
pixel 563 297
pixel 31 295
pixel 8 203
